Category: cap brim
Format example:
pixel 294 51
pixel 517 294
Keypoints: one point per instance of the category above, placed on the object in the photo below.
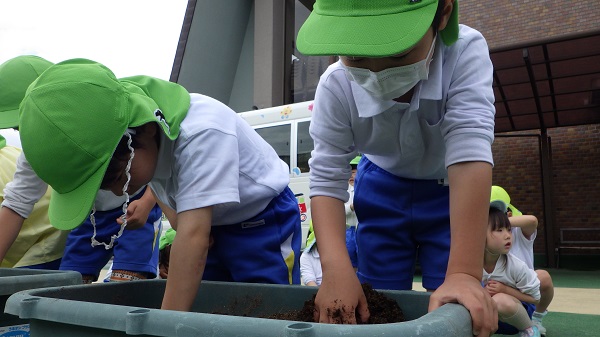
pixel 9 119
pixel 369 36
pixel 69 210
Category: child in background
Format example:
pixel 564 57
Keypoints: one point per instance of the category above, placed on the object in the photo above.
pixel 513 286
pixel 351 220
pixel 31 242
pixel 524 232
pixel 166 240
pixel 310 262
pixel 412 93
pixel 213 175
pixel 135 254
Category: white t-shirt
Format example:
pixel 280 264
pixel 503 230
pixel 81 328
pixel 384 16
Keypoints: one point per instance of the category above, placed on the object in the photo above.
pixel 449 120
pixel 523 247
pixel 310 266
pixel 514 273
pixel 218 160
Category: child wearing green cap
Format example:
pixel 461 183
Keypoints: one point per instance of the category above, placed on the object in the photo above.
pixel 23 195
pixel 412 92
pixel 166 241
pixel 514 287
pixel 214 177
pixel 30 242
pixel 524 232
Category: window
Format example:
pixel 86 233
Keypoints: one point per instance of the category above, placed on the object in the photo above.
pixel 279 138
pixel 305 146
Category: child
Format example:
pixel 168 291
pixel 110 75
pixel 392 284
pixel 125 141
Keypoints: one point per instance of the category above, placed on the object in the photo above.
pixel 351 220
pixel 34 243
pixel 413 93
pixel 513 286
pixel 310 262
pixel 166 241
pixel 213 175
pixel 524 232
pixel 135 254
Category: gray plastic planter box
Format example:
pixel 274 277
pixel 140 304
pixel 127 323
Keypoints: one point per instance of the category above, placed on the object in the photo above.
pixel 13 280
pixel 130 308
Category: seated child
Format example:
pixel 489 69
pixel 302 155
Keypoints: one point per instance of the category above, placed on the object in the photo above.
pixel 310 262
pixel 513 286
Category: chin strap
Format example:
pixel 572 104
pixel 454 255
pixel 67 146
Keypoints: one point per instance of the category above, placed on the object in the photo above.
pixel 125 187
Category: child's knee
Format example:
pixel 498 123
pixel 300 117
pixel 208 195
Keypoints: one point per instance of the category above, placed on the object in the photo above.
pixel 506 304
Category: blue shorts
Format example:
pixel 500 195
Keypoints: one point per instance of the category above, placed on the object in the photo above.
pixel 400 220
pixel 351 245
pixel 507 329
pixel 136 250
pixel 263 249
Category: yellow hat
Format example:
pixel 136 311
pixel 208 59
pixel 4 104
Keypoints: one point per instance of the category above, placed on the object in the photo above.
pixel 498 193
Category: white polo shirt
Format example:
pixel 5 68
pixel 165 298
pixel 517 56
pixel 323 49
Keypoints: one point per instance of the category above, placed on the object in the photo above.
pixel 449 120
pixel 218 160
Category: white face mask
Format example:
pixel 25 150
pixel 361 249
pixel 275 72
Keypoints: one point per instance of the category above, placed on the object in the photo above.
pixel 392 82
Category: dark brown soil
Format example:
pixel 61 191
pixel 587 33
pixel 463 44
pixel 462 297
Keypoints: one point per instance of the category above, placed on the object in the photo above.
pixel 382 309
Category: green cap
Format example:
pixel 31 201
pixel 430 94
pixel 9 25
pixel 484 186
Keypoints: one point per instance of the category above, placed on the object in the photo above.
pixel 71 120
pixel 498 193
pixel 16 75
pixel 371 28
pixel 356 160
pixel 167 238
pixel 311 239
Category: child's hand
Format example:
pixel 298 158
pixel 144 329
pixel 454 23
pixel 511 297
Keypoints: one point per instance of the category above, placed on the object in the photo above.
pixel 467 290
pixel 338 297
pixel 137 214
pixel 495 287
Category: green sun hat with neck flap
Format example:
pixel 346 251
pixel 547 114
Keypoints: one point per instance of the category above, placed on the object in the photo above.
pixel 16 75
pixel 370 28
pixel 72 119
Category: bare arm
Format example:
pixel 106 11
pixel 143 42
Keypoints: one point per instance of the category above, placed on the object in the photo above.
pixel 527 223
pixel 188 258
pixel 11 224
pixel 470 185
pixel 340 288
pixel 138 210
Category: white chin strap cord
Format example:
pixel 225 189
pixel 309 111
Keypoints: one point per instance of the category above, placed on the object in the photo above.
pixel 109 245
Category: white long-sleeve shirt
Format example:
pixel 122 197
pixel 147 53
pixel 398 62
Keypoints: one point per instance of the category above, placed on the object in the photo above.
pixel 449 120
pixel 513 272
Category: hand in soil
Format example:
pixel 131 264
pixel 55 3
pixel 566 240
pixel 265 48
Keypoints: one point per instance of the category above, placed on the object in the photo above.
pixel 383 310
pixel 341 299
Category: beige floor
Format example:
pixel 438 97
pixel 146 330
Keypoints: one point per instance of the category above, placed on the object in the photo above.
pixel 570 300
